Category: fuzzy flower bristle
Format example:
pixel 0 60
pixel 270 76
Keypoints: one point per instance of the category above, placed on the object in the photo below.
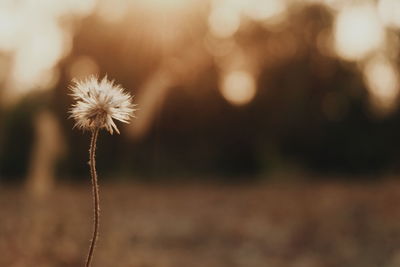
pixel 98 102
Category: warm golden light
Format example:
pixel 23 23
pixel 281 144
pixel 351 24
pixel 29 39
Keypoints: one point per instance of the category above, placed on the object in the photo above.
pixel 238 87
pixel 40 52
pixel 358 31
pixel 389 12
pixel 35 40
pixel 263 10
pixel 382 81
pixel 9 27
pixel 36 57
pixel 224 20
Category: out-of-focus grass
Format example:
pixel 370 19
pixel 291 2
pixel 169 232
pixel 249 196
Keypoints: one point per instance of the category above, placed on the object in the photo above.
pixel 206 225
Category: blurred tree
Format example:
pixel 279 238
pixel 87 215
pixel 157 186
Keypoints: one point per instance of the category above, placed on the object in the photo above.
pixel 47 148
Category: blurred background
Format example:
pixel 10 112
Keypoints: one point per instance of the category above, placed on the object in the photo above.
pixel 266 135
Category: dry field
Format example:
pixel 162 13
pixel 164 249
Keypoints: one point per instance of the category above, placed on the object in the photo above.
pixel 271 225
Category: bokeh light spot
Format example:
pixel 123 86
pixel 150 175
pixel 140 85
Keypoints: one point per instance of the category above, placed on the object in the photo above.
pixel 358 31
pixel 238 87
pixel 382 81
pixel 224 21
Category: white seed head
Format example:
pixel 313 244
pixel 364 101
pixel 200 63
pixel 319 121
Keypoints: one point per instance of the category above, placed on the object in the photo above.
pixel 98 103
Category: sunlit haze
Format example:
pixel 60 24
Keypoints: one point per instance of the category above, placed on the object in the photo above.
pixel 36 36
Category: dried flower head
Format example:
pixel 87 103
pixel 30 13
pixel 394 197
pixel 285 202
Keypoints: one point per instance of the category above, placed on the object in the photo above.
pixel 98 103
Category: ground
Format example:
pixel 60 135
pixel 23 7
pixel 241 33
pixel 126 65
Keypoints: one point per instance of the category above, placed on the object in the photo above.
pixel 260 225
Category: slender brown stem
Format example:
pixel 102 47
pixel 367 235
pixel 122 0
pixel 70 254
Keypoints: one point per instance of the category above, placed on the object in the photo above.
pixel 95 192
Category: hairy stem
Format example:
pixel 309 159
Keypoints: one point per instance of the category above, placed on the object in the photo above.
pixel 95 192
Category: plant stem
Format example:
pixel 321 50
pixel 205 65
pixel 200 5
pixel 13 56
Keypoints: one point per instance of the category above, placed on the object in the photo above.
pixel 95 192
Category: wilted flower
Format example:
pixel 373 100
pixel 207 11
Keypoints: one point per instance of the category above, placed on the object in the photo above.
pixel 98 103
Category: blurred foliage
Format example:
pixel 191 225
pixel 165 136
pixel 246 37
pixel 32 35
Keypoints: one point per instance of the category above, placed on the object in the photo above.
pixel 310 109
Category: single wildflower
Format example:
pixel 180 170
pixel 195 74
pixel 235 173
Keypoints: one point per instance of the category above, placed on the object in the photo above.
pixel 97 104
